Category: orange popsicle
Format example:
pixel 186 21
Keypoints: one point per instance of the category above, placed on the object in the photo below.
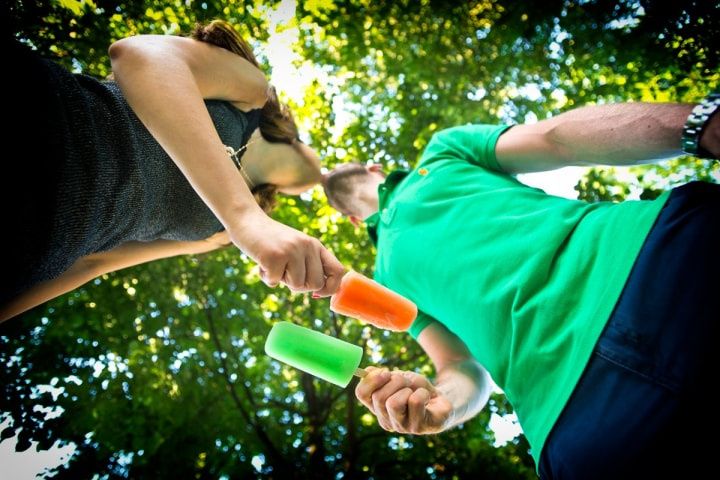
pixel 367 300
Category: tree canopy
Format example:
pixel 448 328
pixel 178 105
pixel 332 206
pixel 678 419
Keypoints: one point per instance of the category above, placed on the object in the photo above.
pixel 159 371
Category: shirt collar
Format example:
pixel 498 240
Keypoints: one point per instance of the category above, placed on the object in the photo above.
pixel 385 190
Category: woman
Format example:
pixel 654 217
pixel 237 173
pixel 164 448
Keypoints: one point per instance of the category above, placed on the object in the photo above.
pixel 145 167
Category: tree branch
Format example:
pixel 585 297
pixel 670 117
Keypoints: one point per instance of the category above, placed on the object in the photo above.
pixel 276 457
pixel 285 406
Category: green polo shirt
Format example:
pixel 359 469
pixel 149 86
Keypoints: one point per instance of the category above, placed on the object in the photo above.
pixel 527 280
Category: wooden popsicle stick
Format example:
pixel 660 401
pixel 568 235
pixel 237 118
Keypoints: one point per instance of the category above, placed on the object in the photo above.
pixel 360 372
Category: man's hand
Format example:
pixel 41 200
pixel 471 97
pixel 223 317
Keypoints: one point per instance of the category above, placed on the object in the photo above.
pixel 710 139
pixel 404 402
pixel 288 256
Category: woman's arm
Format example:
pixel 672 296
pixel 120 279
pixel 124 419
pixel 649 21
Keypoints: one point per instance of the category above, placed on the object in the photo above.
pixel 165 79
pixel 92 266
pixel 407 402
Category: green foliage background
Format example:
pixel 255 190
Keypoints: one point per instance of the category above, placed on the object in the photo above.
pixel 158 371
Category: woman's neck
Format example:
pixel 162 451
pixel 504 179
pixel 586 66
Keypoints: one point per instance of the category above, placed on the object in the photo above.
pixel 293 168
pixel 258 159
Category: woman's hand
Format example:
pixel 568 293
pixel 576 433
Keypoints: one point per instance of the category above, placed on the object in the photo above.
pixel 404 402
pixel 286 255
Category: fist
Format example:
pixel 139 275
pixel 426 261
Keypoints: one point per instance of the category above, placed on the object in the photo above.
pixel 404 402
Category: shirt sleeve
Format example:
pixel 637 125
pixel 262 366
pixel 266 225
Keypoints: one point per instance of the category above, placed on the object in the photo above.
pixel 469 143
pixel 422 321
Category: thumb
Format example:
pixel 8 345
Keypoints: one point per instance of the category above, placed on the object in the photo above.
pixel 333 271
pixel 271 279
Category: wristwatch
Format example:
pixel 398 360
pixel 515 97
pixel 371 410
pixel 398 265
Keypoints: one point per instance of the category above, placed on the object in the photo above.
pixel 696 123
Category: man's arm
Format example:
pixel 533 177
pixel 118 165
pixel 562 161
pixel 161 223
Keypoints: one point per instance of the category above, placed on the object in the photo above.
pixel 407 402
pixel 94 265
pixel 618 134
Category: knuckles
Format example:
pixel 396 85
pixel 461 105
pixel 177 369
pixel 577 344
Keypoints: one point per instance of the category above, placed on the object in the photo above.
pixel 396 406
pixel 377 398
pixel 416 401
pixel 315 283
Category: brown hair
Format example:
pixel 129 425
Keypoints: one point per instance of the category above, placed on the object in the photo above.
pixel 339 185
pixel 276 123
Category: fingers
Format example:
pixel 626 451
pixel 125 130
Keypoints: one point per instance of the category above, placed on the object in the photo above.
pixel 288 256
pixel 380 398
pixel 417 403
pixel 311 267
pixel 300 267
pixel 295 273
pixel 438 414
pixel 375 379
pixel 272 274
pixel 383 392
pixel 333 271
pixel 419 381
pixel 397 409
pixel 418 411
pixel 315 276
pixel 404 402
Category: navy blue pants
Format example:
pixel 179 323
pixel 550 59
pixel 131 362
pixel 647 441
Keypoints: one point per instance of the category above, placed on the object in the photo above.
pixel 643 407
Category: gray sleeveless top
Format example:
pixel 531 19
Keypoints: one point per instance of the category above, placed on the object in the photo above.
pixel 114 183
pixel 137 192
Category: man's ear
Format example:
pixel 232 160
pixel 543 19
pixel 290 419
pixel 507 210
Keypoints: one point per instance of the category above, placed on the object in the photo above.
pixel 374 167
pixel 355 220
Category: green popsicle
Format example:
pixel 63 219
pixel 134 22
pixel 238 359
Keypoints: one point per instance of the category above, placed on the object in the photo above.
pixel 313 352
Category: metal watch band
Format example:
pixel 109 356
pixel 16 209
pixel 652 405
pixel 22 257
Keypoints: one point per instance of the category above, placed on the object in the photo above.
pixel 696 123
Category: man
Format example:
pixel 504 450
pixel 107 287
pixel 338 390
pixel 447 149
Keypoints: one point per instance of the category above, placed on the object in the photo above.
pixel 597 320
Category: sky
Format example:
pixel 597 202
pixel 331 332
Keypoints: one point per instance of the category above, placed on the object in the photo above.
pixel 26 465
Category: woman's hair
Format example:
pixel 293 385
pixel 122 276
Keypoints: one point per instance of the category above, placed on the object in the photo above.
pixel 276 122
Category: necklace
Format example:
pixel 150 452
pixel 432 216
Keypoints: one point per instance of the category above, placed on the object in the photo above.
pixel 235 157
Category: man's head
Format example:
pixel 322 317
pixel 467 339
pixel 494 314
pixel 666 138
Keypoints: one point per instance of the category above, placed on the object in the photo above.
pixel 351 189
